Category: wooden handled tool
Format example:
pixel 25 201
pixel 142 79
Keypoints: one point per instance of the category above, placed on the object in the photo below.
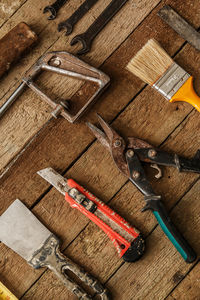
pixel 14 43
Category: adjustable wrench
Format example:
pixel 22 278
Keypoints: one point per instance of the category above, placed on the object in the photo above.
pixel 54 8
pixel 88 36
pixel 76 16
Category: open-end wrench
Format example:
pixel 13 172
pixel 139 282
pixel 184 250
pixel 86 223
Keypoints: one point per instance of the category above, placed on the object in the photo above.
pixel 88 36
pixel 54 8
pixel 76 16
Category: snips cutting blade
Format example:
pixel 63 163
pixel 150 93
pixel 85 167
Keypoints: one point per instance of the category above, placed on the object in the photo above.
pixel 113 141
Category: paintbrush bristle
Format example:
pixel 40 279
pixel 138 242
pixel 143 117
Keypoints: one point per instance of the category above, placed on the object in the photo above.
pixel 150 63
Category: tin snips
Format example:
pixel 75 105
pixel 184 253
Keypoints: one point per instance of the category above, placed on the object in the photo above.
pixel 126 238
pixel 129 156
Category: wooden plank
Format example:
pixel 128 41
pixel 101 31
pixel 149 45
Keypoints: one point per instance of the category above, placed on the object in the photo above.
pixel 189 287
pixel 29 110
pixel 22 183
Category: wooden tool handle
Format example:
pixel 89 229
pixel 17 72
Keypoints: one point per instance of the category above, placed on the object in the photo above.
pixel 14 43
pixel 50 256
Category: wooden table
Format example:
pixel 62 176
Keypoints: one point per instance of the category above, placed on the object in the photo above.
pixel 30 140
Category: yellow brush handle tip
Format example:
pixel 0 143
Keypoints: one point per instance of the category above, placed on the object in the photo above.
pixel 186 93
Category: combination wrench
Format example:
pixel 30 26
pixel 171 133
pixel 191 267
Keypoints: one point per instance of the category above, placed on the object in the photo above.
pixel 54 8
pixel 88 36
pixel 76 16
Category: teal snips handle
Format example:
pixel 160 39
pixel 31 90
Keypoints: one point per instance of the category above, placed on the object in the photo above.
pixel 171 232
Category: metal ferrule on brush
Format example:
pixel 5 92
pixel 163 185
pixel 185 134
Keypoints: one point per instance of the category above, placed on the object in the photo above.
pixel 171 81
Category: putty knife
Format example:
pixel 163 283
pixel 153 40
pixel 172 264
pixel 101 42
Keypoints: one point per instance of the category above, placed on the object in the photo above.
pixel 23 233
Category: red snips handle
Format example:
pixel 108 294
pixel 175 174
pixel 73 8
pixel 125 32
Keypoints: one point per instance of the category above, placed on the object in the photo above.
pixel 126 239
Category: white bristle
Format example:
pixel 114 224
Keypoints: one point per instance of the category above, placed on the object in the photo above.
pixel 150 63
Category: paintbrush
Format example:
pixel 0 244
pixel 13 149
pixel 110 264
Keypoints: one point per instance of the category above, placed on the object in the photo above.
pixel 154 66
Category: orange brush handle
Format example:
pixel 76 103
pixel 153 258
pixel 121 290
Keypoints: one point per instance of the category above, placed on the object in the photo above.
pixel 186 93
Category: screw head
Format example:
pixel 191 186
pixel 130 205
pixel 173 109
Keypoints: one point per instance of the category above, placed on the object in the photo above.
pixel 55 61
pixel 117 143
pixel 130 153
pixel 152 153
pixel 135 175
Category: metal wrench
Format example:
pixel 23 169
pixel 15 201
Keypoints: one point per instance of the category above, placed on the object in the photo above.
pixel 76 16
pixel 88 36
pixel 54 8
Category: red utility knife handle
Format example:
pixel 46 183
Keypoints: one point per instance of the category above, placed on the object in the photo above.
pixel 126 239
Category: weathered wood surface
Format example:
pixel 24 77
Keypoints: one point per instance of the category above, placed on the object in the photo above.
pixel 143 113
pixel 29 110
pixel 189 288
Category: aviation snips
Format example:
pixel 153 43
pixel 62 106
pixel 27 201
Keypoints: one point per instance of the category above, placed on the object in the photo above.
pixel 128 156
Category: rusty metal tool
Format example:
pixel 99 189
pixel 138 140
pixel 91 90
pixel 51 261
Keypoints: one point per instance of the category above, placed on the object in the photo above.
pixel 126 239
pixel 54 8
pixel 88 36
pixel 128 157
pixel 12 45
pixel 185 30
pixel 21 231
pixel 65 64
pixel 76 16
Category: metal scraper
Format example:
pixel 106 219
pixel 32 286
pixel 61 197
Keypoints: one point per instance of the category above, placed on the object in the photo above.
pixel 26 235
pixel 185 30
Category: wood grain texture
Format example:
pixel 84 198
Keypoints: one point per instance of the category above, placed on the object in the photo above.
pixel 8 8
pixel 29 110
pixel 71 149
pixel 14 44
pixel 95 177
pixel 189 288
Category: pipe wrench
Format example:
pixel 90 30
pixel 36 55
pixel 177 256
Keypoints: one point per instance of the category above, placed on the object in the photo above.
pixel 128 157
pixel 126 239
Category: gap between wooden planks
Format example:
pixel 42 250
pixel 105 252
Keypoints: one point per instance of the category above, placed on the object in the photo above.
pixel 189 288
pixel 113 77
pixel 30 111
pixel 130 129
pixel 91 240
pixel 53 146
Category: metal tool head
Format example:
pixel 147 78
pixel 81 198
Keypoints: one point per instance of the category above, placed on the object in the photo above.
pixel 100 135
pixel 86 44
pixel 52 12
pixel 112 141
pixel 55 179
pixel 21 231
pixel 65 64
